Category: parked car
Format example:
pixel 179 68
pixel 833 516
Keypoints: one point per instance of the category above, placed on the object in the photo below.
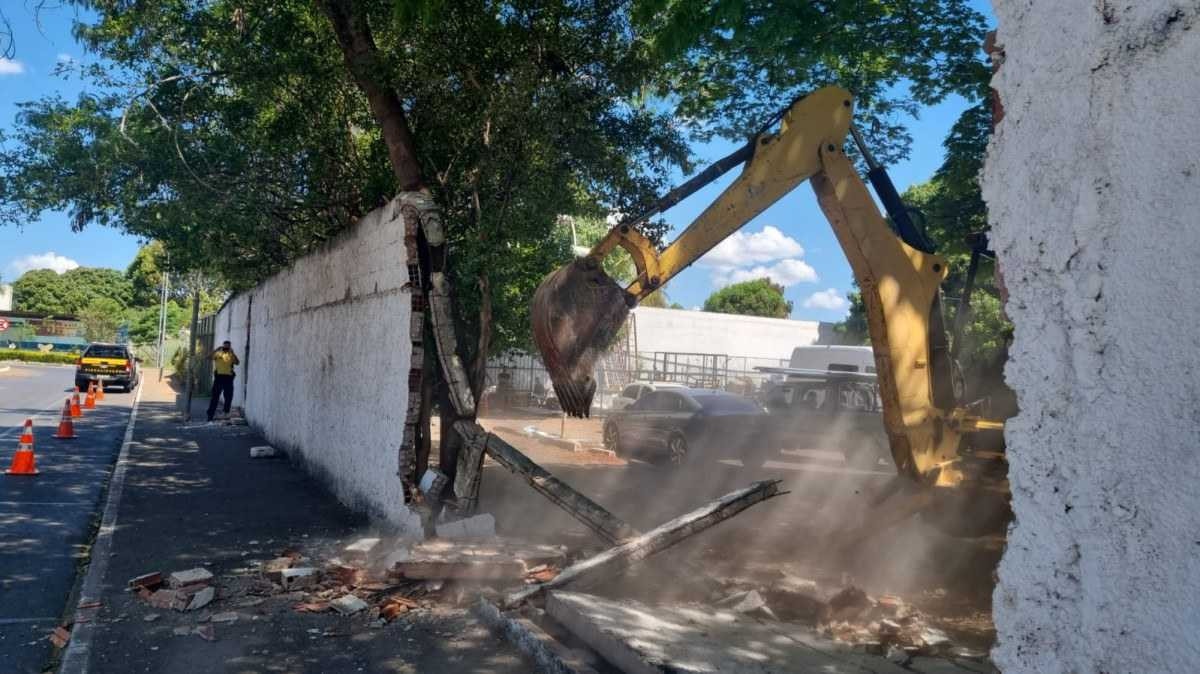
pixel 112 364
pixel 830 409
pixel 677 422
pixel 634 392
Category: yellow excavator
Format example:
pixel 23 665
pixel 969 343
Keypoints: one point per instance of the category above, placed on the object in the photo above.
pixel 956 482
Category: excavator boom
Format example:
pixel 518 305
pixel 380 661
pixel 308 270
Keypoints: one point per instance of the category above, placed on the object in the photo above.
pixel 578 309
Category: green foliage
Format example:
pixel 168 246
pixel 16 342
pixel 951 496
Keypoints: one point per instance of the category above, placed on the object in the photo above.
pixel 101 318
pixel 143 323
pixel 758 297
pixel 853 330
pixel 145 275
pixel 732 64
pixel 230 131
pixel 26 356
pixel 45 292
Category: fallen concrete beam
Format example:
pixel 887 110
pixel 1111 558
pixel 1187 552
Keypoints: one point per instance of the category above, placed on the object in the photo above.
pixel 606 525
pixel 492 560
pixel 550 655
pixel 664 536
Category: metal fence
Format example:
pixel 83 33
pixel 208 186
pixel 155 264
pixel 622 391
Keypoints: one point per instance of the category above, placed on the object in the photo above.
pixel 523 380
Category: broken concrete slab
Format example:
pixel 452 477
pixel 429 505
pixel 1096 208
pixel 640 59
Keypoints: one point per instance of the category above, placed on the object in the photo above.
pixel 201 599
pixel 348 604
pixel 641 639
pixel 180 579
pixel 477 527
pixel 492 560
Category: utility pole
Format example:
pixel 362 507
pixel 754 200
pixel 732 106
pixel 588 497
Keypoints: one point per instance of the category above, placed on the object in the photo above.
pixel 191 356
pixel 162 317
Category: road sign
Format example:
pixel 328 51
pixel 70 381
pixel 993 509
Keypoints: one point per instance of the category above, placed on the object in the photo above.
pixel 3 325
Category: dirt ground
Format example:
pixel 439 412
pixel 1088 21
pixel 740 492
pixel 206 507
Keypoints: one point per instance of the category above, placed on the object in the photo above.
pixel 949 579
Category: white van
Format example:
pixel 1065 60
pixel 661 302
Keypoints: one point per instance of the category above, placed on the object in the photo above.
pixel 833 358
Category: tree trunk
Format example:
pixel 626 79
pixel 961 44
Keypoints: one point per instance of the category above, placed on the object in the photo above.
pixel 353 33
pixel 479 367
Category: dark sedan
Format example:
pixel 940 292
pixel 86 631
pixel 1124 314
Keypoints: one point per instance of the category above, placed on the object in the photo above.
pixel 675 423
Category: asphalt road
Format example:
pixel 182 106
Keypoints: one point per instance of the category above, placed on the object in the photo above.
pixel 46 521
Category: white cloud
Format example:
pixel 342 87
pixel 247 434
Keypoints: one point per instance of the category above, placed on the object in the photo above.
pixel 831 300
pixel 784 272
pixel 11 67
pixel 743 249
pixel 48 260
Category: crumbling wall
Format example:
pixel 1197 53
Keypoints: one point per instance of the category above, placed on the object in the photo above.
pixel 326 373
pixel 1093 190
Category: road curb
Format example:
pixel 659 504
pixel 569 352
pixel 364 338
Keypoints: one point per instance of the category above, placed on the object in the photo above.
pixel 75 658
pixel 5 368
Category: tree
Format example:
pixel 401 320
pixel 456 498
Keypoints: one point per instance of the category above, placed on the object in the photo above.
pixel 44 291
pixel 101 318
pixel 143 323
pixel 759 297
pixel 145 275
pixel 732 64
pixel 40 291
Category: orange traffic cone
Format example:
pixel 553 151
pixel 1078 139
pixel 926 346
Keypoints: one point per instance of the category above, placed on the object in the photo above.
pixel 23 461
pixel 90 401
pixel 66 427
pixel 100 390
pixel 76 412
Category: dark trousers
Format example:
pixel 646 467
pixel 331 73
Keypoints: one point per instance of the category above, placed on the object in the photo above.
pixel 222 384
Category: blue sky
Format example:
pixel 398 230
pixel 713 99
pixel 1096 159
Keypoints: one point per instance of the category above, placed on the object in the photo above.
pixel 791 240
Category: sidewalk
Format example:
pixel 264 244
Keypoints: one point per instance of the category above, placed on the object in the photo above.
pixel 192 497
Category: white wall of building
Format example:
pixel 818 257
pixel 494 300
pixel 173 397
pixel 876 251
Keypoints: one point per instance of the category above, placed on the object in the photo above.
pixel 325 374
pixel 681 330
pixel 1093 190
pixel 6 297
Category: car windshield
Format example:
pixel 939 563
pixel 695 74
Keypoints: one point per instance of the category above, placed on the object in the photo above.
pixel 100 351
pixel 727 403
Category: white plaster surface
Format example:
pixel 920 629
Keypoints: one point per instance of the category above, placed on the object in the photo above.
pixel 326 374
pixel 1093 190
pixel 683 331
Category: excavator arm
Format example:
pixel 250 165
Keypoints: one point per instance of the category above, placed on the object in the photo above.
pixel 578 309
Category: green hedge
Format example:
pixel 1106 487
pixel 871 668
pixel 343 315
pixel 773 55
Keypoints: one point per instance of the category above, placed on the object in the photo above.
pixel 63 357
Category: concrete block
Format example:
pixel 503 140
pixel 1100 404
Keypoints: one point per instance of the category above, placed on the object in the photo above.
pixel 263 452
pixel 433 482
pixel 194 576
pixel 348 604
pixel 298 578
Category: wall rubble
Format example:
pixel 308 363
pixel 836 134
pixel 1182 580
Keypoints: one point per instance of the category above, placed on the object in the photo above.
pixel 1093 188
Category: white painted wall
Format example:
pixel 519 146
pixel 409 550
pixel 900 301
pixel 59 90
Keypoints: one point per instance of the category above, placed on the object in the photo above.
pixel 681 330
pixel 6 297
pixel 326 374
pixel 1093 191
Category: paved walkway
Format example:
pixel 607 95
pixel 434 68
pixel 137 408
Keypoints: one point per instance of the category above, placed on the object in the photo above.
pixel 192 497
pixel 47 520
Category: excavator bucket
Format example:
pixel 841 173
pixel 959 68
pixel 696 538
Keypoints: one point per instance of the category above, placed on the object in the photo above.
pixel 577 312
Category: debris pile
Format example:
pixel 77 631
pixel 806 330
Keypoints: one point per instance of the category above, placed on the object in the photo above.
pixel 365 578
pixel 884 625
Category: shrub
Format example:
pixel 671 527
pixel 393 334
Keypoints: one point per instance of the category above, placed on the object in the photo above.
pixel 61 357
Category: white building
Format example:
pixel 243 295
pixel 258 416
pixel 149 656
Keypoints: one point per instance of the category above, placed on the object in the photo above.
pixel 6 297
